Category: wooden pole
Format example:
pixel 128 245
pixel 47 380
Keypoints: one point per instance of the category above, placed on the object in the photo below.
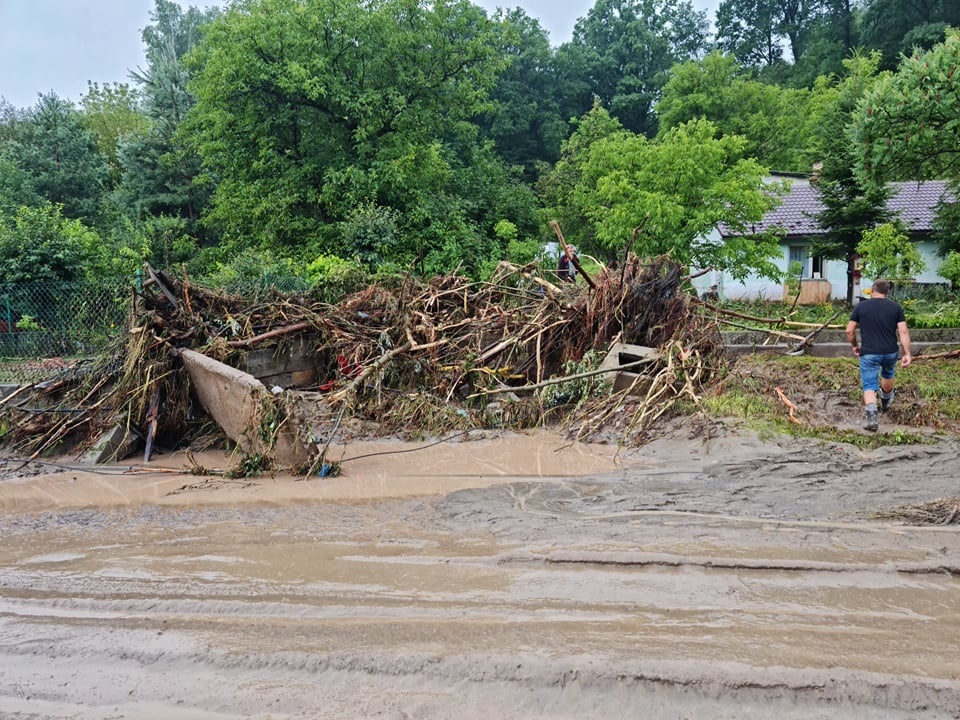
pixel 573 258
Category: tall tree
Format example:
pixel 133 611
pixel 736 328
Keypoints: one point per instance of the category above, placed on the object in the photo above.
pixel 895 27
pixel 906 127
pixel 626 47
pixel 756 31
pixel 160 172
pixel 851 206
pixel 557 188
pixel 51 147
pixel 777 124
pixel 308 109
pixel 525 121
pixel 113 114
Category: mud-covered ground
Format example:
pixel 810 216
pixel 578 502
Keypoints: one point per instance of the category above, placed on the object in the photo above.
pixel 517 577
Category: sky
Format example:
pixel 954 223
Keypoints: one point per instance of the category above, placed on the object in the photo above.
pixel 59 45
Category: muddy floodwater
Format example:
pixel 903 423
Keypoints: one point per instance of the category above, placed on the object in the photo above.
pixel 516 577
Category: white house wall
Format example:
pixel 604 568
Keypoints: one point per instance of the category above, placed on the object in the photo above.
pixel 757 288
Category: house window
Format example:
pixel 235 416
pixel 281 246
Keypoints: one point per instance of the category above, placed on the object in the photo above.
pixel 819 266
pixel 800 254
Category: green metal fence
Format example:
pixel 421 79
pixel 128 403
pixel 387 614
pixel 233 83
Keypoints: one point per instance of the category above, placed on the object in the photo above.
pixel 40 321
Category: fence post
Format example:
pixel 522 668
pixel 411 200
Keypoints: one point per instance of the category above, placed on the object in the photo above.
pixel 139 276
pixel 6 300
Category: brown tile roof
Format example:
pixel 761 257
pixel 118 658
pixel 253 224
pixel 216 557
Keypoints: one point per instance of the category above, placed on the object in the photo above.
pixel 915 203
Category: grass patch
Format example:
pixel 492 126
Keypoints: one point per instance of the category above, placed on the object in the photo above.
pixel 827 394
pixel 920 313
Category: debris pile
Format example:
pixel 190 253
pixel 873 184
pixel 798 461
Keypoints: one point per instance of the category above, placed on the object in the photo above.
pixel 406 356
pixel 942 511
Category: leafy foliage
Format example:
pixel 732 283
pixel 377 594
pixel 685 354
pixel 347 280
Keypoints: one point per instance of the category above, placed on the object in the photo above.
pixel 352 106
pixel 675 191
pixel 907 126
pixel 895 28
pixel 161 175
pixel 777 124
pixel 950 269
pixel 887 252
pixel 624 50
pixel 39 244
pixel 850 205
pixel 57 158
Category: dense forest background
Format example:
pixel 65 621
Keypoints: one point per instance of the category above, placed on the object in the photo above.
pixel 329 140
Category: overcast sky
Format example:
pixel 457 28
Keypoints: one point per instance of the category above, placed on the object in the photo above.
pixel 60 45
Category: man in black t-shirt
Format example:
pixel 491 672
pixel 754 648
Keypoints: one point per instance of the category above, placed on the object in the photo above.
pixel 881 321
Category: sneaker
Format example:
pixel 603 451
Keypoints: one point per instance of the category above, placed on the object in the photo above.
pixel 872 420
pixel 886 401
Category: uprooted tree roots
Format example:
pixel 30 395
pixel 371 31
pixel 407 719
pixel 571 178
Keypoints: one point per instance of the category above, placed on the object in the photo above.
pixel 415 358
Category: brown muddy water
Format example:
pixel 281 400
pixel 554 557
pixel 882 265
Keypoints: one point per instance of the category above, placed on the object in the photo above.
pixel 519 577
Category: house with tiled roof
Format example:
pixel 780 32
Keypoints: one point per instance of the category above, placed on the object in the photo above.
pixel 915 203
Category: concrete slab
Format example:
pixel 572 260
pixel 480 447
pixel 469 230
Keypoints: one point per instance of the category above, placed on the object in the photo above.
pixel 289 364
pixel 623 354
pixel 239 403
pixel 115 444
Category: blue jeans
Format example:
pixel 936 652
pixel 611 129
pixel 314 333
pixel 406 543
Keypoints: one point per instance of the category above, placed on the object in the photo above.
pixel 874 367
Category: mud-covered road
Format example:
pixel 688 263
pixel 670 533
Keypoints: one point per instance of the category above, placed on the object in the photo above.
pixel 734 578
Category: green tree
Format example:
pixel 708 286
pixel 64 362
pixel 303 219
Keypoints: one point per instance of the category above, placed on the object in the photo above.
pixel 57 158
pixel 525 121
pixel 755 31
pixel 676 190
pixel 851 206
pixel 557 188
pixel 308 109
pixel 777 124
pixel 895 28
pixel 888 252
pixel 161 174
pixel 950 269
pixel 113 115
pixel 40 244
pixel 831 37
pixel 906 127
pixel 625 48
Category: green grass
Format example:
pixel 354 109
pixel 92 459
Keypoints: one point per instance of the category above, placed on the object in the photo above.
pixel 921 314
pixel 828 396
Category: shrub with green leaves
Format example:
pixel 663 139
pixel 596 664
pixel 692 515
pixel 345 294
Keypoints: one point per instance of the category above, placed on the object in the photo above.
pixel 332 278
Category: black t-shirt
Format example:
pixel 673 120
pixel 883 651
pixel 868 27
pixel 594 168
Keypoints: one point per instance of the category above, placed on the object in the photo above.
pixel 878 319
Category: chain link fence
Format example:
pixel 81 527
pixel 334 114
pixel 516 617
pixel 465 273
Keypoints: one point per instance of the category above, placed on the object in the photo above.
pixel 44 324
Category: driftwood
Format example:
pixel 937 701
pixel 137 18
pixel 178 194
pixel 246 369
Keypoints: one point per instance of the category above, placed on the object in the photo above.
pixel 565 378
pixel 275 333
pixel 937 356
pixel 808 339
pixel 415 357
pixel 573 258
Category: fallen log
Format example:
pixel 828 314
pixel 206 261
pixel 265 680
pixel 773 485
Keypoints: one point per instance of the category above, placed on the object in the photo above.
pixel 276 332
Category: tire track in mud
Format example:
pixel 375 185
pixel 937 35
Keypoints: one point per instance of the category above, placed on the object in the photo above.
pixel 717 582
pixel 413 609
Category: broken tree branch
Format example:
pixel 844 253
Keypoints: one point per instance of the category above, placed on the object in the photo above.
pixel 566 378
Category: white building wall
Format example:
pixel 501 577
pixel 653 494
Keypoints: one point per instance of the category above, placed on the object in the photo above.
pixel 756 288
